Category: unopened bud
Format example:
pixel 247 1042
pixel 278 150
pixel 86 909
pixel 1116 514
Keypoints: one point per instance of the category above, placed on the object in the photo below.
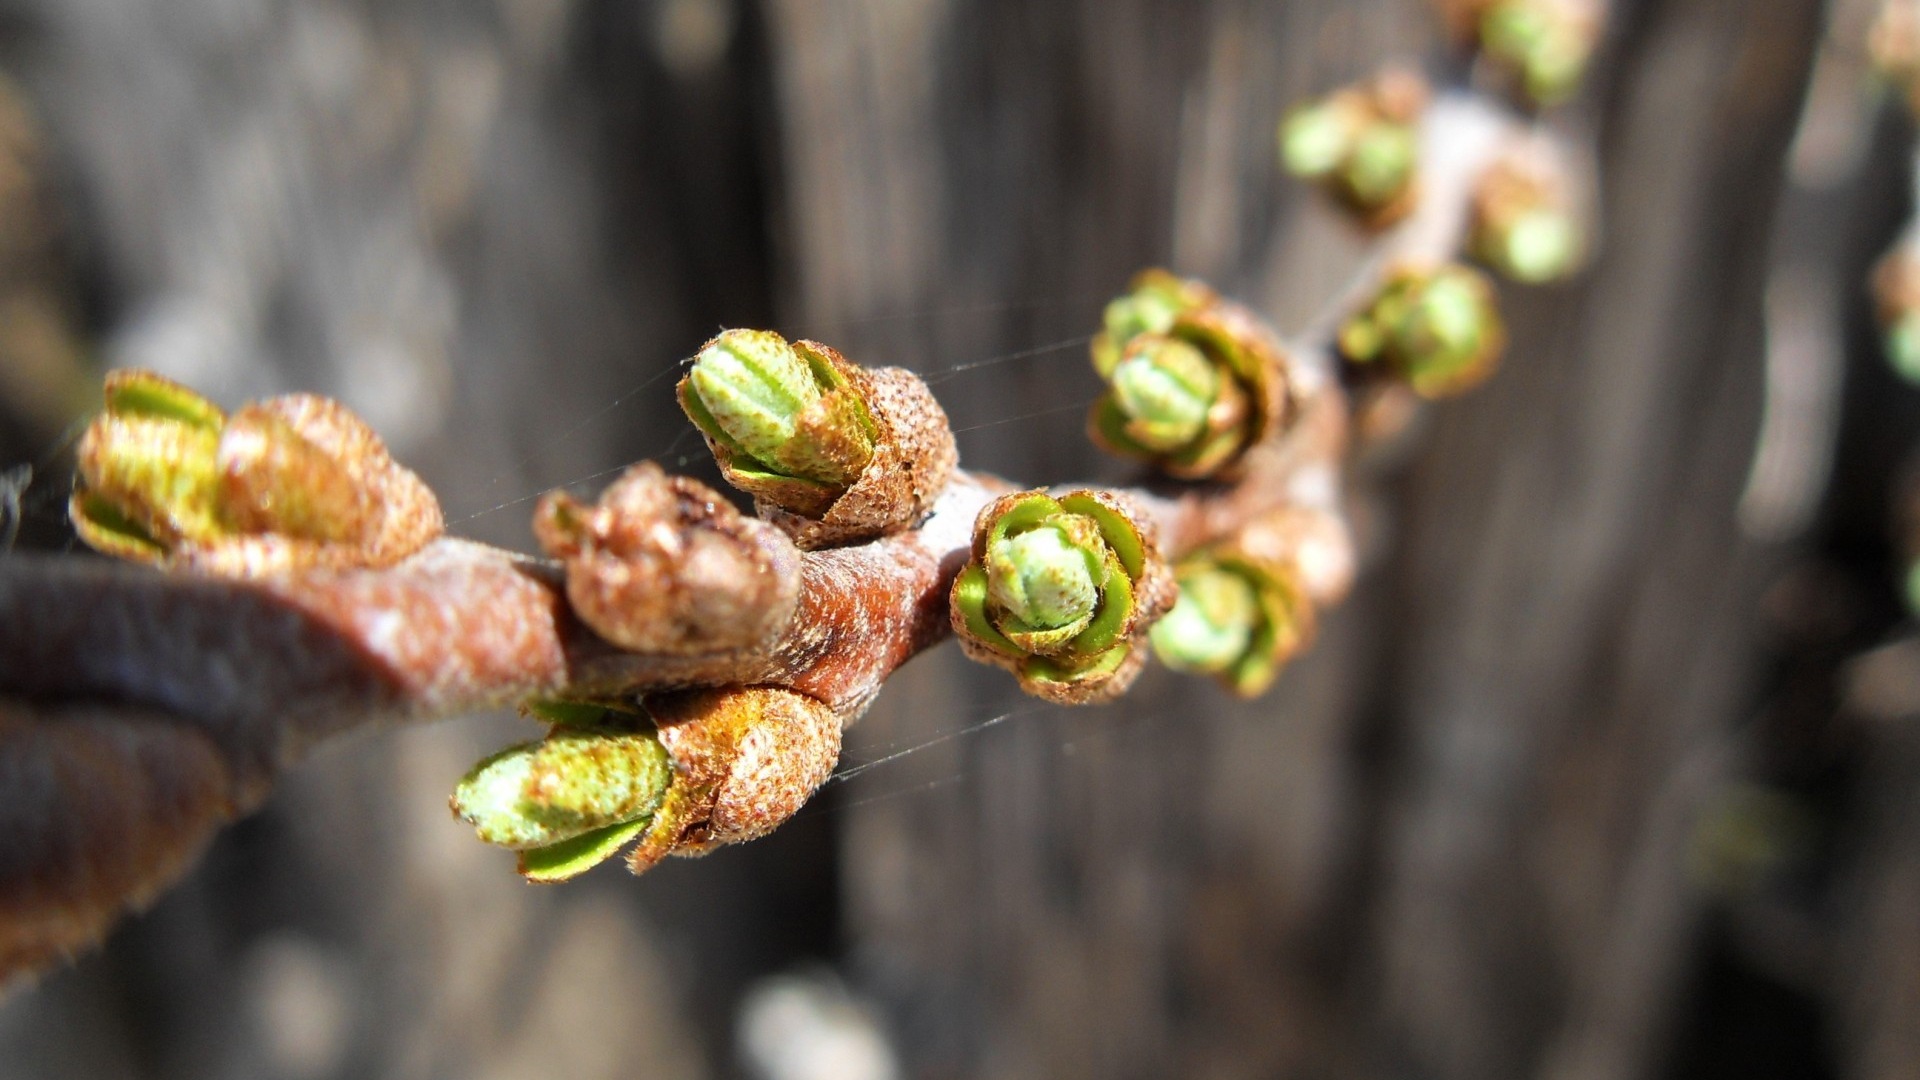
pixel 1046 580
pixel 1165 386
pixel 1438 329
pixel 285 483
pixel 1545 43
pixel 569 784
pixel 1210 625
pixel 754 390
pixel 1058 591
pixel 1239 618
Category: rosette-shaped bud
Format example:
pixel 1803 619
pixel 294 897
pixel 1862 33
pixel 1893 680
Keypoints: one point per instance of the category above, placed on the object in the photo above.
pixel 1059 591
pixel 1360 144
pixel 1896 296
pixel 1193 381
pixel 1436 328
pixel 831 452
pixel 1237 618
pixel 1525 222
pixel 283 484
pixel 663 564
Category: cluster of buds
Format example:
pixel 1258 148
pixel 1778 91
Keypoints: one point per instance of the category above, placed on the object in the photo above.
pixel 1526 221
pixel 1543 45
pixel 832 452
pixel 284 484
pixel 1437 329
pixel 1193 381
pixel 1896 296
pixel 1361 144
pixel 1060 592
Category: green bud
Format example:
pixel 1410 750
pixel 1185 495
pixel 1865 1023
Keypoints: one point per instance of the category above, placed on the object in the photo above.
pixel 1058 591
pixel 1314 140
pixel 1913 587
pixel 1165 387
pixel 763 398
pixel 1903 347
pixel 1437 329
pixel 1045 579
pixel 1150 308
pixel 1444 326
pixel 1540 41
pixel 567 785
pixel 1382 163
pixel 1211 624
pixel 1538 246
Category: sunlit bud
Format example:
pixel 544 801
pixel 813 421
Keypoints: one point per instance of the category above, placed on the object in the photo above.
pixel 1165 386
pixel 762 396
pixel 1058 591
pixel 1046 580
pixel 1210 625
pixel 569 784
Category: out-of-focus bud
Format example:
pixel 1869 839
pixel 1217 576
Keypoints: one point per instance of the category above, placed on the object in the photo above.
pixel 1545 44
pixel 1360 145
pixel 284 484
pixel 832 453
pixel 1437 328
pixel 1542 47
pixel 1194 381
pixel 1896 296
pixel 1059 591
pixel 1526 219
pixel 1894 45
pixel 1237 618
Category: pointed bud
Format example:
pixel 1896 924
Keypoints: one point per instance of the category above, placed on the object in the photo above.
pixel 569 784
pixel 764 397
pixel 832 453
pixel 1059 591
